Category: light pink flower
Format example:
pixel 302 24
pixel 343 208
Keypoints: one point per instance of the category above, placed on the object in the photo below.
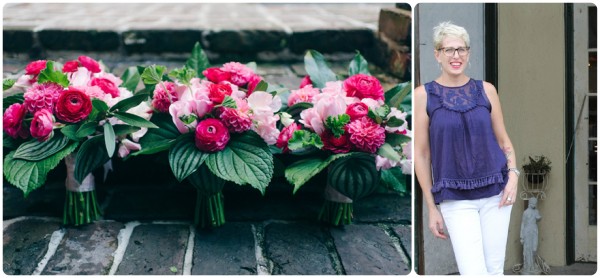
pixel 183 116
pixel 330 105
pixel 263 102
pixel 406 165
pixel 12 120
pixel 366 135
pixel 41 96
pixel 81 77
pixel 42 125
pixel 311 119
pixel 25 81
pixel 304 94
pixel 382 163
pixel 266 126
pixel 127 146
pixel 371 103
pixel 403 129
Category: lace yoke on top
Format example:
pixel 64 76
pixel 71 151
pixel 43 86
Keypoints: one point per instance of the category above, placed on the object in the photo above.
pixel 460 99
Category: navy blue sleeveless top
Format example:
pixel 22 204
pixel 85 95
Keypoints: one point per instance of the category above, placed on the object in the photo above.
pixel 466 159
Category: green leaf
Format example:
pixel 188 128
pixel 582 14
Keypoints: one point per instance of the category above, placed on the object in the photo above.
pixel 394 122
pixel 183 75
pixel 86 130
pixel 161 138
pixel 10 100
pixel 246 160
pixel 9 142
pixel 153 74
pixel 198 61
pixel 262 86
pixel 229 102
pixel 395 95
pixel 396 139
pixel 71 132
pixel 302 139
pixel 133 120
pixel 131 78
pixel 121 130
pixel 8 83
pixel 99 105
pixel 337 124
pixel 109 139
pixel 297 108
pixel 317 69
pixel 129 103
pixel 27 175
pixel 185 157
pixel 358 65
pixel 299 172
pixel 50 75
pixel 91 155
pixel 394 179
pixel 386 150
pixel 173 269
pixel 33 150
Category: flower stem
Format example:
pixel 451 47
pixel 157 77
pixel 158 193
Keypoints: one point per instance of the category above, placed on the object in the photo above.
pixel 80 208
pixel 336 213
pixel 209 210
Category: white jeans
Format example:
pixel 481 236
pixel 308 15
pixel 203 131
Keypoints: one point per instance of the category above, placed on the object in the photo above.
pixel 478 230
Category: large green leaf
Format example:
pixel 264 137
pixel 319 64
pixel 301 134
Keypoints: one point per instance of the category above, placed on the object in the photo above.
pixel 246 160
pixel 49 74
pixel 91 155
pixel 386 150
pixel 109 139
pixel 302 171
pixel 395 95
pixel 396 139
pixel 121 130
pixel 86 130
pixel 8 83
pixel 28 175
pixel 9 142
pixel 131 78
pixel 10 100
pixel 358 65
pixel 71 132
pixel 394 179
pixel 198 61
pixel 185 157
pixel 317 69
pixel 134 120
pixel 153 74
pixel 161 138
pixel 33 150
pixel 129 103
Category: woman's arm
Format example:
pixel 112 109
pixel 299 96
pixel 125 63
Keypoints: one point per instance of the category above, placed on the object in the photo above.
pixel 422 160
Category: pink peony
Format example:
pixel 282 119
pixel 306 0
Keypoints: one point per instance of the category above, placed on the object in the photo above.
pixel 42 125
pixel 216 75
pixel 217 92
pixel 366 135
pixel 336 145
pixel 183 116
pixel 73 106
pixel 211 135
pixel 304 94
pixel 285 135
pixel 235 120
pixel 107 86
pixel 357 110
pixel 363 86
pixel 240 73
pixel 90 64
pixel 35 67
pixel 41 96
pixel 13 120
pixel 70 66
pixel 305 81
pixel 162 98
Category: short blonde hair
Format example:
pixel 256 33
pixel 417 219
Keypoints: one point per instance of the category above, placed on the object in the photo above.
pixel 449 29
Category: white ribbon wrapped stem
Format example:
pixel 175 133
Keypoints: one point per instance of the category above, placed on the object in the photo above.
pixel 333 195
pixel 71 184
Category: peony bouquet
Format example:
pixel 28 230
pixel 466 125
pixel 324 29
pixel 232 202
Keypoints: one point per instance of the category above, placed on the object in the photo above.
pixel 77 112
pixel 360 131
pixel 217 124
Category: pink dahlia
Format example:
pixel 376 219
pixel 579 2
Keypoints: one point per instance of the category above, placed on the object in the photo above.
pixel 363 86
pixel 13 120
pixel 41 96
pixel 304 94
pixel 162 98
pixel 366 135
pixel 235 120
pixel 35 67
pixel 285 135
pixel 240 73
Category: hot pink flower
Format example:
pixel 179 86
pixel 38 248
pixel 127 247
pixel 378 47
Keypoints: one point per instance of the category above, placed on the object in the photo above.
pixel 253 82
pixel 240 73
pixel 90 64
pixel 162 98
pixel 285 135
pixel 41 96
pixel 304 94
pixel 73 106
pixel 107 86
pixel 42 125
pixel 235 120
pixel 211 135
pixel 35 67
pixel 366 135
pixel 357 110
pixel 70 66
pixel 216 75
pixel 363 86
pixel 305 81
pixel 217 92
pixel 336 145
pixel 13 120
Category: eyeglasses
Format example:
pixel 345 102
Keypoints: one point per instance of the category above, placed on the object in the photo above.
pixel 449 51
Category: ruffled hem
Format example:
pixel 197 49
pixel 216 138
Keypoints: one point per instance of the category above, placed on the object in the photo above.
pixel 467 184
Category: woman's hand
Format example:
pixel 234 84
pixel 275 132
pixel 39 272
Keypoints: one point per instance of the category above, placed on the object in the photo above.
pixel 509 194
pixel 436 223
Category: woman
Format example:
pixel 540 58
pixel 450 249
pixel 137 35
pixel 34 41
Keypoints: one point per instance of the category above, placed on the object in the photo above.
pixel 464 159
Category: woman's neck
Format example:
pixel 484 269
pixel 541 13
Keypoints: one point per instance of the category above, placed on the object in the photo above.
pixel 452 80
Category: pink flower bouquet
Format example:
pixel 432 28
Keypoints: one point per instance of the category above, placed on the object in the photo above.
pixel 361 133
pixel 77 112
pixel 217 124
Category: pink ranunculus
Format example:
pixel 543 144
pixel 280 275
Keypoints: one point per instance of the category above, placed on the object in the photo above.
pixel 42 125
pixel 162 98
pixel 183 116
pixel 235 120
pixel 127 146
pixel 240 73
pixel 216 75
pixel 41 96
pixel 253 82
pixel 366 135
pixel 304 94
pixel 13 120
pixel 70 66
pixel 357 110
pixel 285 135
pixel 90 64
pixel 217 92
pixel 73 106
pixel 35 67
pixel 266 127
pixel 107 86
pixel 305 81
pixel 336 145
pixel 211 135
pixel 363 86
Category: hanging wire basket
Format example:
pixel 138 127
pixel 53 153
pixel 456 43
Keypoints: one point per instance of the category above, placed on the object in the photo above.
pixel 534 185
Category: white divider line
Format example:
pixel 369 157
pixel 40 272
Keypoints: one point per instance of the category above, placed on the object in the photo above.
pixel 189 252
pixel 9 222
pixel 396 241
pixel 262 263
pixel 55 240
pixel 123 240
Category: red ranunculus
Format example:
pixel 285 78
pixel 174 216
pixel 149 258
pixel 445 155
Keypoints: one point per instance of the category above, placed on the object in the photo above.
pixel 90 64
pixel 363 86
pixel 70 66
pixel 42 125
pixel 305 81
pixel 336 145
pixel 73 106
pixel 211 135
pixel 35 67
pixel 217 92
pixel 357 110
pixel 285 135
pixel 216 75
pixel 13 120
pixel 107 86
